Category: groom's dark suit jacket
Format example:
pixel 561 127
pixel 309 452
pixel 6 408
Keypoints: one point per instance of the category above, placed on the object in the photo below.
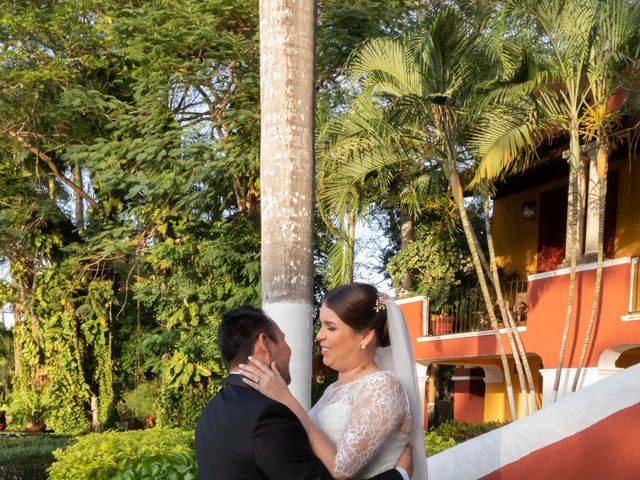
pixel 242 435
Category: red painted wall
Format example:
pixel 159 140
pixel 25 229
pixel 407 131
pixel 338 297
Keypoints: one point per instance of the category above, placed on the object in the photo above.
pixel 468 397
pixel 412 312
pixel 547 310
pixel 606 450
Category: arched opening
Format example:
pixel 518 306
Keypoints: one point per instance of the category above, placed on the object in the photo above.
pixel 628 358
pixel 621 356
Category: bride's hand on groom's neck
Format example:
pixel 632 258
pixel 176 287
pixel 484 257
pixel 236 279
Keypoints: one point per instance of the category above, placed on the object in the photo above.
pixel 266 379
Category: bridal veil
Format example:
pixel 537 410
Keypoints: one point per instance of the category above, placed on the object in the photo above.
pixel 399 359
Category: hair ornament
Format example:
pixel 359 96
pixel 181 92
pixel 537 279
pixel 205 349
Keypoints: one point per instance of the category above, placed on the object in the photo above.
pixel 381 301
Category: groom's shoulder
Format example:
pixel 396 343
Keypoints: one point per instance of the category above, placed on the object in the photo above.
pixel 239 403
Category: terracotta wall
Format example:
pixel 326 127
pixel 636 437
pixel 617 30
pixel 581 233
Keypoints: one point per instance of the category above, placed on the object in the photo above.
pixel 547 309
pixel 605 450
pixel 548 298
pixel 468 395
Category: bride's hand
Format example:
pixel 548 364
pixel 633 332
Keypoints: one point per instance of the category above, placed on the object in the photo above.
pixel 406 460
pixel 267 381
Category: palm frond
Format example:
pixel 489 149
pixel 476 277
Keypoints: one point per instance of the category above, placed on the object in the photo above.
pixel 503 137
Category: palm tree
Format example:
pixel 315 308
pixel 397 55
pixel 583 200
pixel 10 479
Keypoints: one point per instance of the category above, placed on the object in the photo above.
pixel 361 162
pixel 615 50
pixel 527 386
pixel 286 177
pixel 555 99
pixel 426 80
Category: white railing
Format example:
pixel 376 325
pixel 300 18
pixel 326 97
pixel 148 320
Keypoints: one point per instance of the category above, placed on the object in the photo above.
pixel 634 286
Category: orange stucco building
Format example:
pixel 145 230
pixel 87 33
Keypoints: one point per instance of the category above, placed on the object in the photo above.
pixel 529 224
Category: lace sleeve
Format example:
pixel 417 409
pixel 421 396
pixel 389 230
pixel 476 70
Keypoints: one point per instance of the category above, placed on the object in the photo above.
pixel 379 408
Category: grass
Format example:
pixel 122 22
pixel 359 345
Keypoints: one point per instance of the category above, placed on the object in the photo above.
pixel 26 449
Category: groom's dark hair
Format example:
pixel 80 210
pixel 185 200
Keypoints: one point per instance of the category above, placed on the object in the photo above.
pixel 238 332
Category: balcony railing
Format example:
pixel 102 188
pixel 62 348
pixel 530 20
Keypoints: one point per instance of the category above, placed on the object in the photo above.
pixel 467 312
pixel 634 294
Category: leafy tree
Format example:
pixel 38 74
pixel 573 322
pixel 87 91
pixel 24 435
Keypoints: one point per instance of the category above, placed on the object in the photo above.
pixel 129 179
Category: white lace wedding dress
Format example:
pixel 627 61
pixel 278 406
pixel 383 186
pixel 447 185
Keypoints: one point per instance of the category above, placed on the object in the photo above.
pixel 369 420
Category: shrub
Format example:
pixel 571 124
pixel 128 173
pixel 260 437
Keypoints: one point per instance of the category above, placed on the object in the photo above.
pixel 181 406
pixel 450 433
pixel 464 431
pixel 29 406
pixel 172 466
pixel 102 456
pixel 434 443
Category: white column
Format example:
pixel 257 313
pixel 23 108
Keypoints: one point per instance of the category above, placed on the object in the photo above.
pixel 421 373
pixel 294 319
pixel 582 194
pixel 592 213
pixel 588 376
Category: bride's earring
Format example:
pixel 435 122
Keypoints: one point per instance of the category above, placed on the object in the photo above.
pixel 363 346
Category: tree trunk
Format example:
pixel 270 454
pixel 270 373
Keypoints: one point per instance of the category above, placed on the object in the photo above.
pixel 351 244
pixel 79 205
pixel 572 213
pixel 52 166
pixel 515 342
pixel 406 238
pixel 456 192
pixel 287 44
pixel 602 161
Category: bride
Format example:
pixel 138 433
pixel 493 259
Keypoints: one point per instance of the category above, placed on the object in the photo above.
pixel 363 422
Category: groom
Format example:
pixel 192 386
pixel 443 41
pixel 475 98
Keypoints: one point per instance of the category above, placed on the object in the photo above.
pixel 241 433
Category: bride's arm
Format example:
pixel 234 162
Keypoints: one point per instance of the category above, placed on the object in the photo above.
pixel 269 382
pixel 379 407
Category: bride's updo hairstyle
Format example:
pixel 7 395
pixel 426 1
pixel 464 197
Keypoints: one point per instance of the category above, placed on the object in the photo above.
pixel 360 306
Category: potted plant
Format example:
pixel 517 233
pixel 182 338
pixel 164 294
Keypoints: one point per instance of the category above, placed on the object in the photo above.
pixel 31 408
pixel 140 404
pixel 441 324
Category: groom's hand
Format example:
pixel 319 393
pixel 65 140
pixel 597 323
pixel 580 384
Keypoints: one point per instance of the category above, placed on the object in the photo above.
pixel 406 460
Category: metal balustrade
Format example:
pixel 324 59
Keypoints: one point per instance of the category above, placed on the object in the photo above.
pixel 466 311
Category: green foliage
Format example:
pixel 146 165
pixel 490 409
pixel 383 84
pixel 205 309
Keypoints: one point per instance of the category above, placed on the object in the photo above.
pixel 450 433
pixel 30 407
pixel 102 456
pixel 141 402
pixel 435 443
pixel 178 466
pixel 437 263
pixel 461 432
pixel 181 406
pixel 6 362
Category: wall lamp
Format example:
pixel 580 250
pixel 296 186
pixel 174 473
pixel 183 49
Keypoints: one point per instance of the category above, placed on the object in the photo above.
pixel 529 208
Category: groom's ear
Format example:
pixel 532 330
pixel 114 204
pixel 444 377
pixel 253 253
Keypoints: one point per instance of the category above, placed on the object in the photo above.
pixel 261 349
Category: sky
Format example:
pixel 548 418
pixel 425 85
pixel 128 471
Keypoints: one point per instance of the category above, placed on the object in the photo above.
pixel 370 242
